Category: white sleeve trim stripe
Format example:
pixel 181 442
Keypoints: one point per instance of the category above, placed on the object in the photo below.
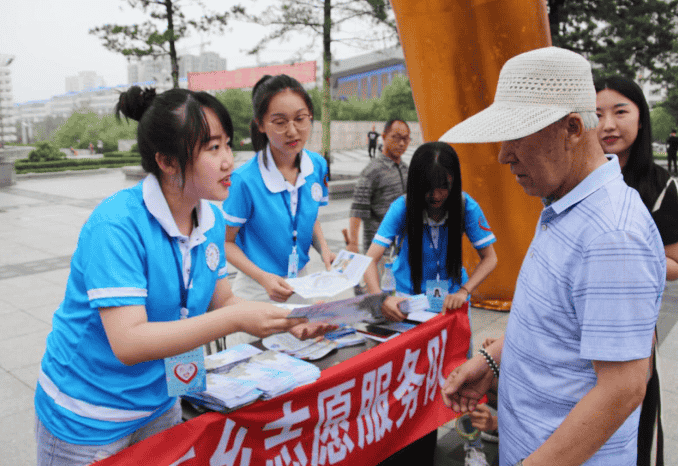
pixel 484 240
pixel 382 239
pixel 85 409
pixel 100 293
pixel 233 219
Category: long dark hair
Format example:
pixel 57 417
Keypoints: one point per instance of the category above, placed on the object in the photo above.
pixel 171 123
pixel 262 94
pixel 640 171
pixel 431 164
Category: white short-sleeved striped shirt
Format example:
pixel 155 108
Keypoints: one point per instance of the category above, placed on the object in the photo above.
pixel 589 289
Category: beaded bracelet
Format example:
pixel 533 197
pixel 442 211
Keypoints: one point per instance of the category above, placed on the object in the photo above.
pixel 490 362
pixel 462 287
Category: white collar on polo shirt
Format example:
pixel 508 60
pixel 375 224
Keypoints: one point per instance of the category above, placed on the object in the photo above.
pixel 429 221
pixel 157 205
pixel 274 180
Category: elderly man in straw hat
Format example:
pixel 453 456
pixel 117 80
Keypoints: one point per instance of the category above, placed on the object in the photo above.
pixel 574 358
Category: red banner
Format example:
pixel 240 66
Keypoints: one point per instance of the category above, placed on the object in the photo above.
pixel 304 72
pixel 358 413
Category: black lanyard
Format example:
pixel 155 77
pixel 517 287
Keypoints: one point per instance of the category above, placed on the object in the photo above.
pixel 294 219
pixel 183 287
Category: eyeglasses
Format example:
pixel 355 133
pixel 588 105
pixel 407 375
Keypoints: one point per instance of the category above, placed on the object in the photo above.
pixel 398 139
pixel 301 123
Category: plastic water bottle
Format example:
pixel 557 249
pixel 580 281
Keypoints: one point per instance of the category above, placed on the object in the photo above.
pixel 388 283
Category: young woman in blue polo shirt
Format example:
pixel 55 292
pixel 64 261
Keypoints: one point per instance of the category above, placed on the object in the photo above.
pixel 431 214
pixel 272 215
pixel 149 263
pixel 428 224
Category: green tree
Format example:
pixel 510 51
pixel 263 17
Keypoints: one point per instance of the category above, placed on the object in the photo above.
pixel 671 102
pixel 82 128
pixel 354 109
pixel 624 37
pixel 323 19
pixel 662 123
pixel 397 100
pixel 157 36
pixel 239 105
pixel 45 129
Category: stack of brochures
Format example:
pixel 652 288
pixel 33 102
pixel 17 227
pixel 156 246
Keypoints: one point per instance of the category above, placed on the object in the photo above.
pixel 309 350
pixel 225 392
pixel 300 372
pixel 241 374
pixel 345 336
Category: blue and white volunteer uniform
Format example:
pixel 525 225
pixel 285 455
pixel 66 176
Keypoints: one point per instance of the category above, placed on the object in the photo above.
pixel 475 226
pixel 124 257
pixel 266 207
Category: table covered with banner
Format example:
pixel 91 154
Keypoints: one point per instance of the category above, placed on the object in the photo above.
pixel 359 412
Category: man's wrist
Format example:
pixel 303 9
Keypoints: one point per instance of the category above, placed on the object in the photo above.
pixel 490 361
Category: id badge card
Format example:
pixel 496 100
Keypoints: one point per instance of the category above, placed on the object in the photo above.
pixel 185 373
pixel 293 264
pixel 436 290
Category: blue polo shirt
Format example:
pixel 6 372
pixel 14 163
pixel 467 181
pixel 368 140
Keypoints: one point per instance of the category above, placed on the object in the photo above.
pixel 125 256
pixel 475 227
pixel 589 289
pixel 263 204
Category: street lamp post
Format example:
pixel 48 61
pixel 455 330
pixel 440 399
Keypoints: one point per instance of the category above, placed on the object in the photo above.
pixel 5 94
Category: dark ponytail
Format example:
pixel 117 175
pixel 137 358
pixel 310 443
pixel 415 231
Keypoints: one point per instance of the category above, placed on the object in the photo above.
pixel 133 103
pixel 262 93
pixel 172 123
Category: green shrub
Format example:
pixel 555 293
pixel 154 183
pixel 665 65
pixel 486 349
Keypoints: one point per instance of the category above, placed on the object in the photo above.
pixel 134 148
pixel 45 151
pixel 116 154
pixel 24 166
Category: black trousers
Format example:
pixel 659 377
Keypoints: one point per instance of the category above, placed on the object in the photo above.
pixel 649 413
pixel 372 149
pixel 420 452
pixel 671 157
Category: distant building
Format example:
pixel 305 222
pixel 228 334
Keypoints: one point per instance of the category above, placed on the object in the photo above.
pixel 160 69
pixel 83 81
pixel 100 100
pixel 7 118
pixel 365 76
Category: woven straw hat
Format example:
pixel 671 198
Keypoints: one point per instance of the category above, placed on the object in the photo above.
pixel 535 89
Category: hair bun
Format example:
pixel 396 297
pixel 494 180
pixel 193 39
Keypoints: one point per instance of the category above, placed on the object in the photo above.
pixel 135 102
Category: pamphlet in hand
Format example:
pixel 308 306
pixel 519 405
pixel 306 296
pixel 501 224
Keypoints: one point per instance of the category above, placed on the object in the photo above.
pixel 347 270
pixel 344 311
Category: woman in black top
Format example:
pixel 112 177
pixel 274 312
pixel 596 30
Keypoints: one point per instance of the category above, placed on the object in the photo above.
pixel 624 129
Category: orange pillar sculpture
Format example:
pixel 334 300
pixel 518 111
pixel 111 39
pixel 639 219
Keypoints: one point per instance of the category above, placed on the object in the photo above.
pixel 454 50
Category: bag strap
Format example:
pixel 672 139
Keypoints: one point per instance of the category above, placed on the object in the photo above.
pixel 660 199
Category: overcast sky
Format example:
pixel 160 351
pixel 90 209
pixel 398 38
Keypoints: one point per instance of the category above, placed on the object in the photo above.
pixel 50 41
